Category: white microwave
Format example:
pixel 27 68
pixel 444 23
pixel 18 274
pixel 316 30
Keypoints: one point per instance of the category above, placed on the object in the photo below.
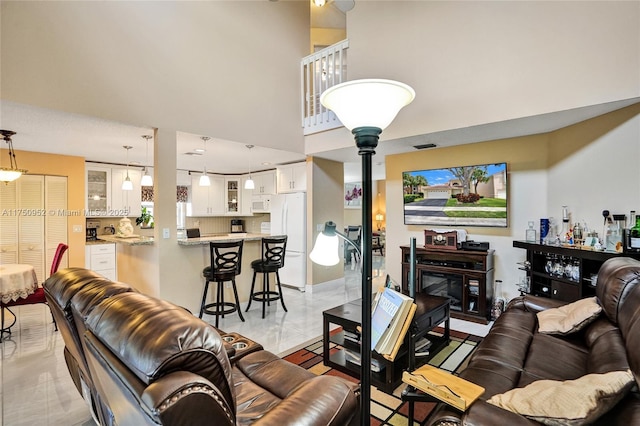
pixel 260 203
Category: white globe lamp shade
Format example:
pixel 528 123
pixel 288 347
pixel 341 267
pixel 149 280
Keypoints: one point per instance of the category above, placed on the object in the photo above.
pixel 146 180
pixel 325 251
pixel 127 185
pixel 204 180
pixel 367 102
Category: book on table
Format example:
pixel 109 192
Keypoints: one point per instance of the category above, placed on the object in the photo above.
pixel 453 390
pixel 390 320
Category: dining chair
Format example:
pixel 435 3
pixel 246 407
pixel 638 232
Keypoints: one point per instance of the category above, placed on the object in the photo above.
pixel 37 296
pixel 353 233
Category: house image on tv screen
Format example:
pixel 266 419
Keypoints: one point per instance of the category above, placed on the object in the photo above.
pixel 465 195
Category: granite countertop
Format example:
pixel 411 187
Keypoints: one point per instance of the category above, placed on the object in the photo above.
pixel 206 239
pixel 97 242
pixel 132 241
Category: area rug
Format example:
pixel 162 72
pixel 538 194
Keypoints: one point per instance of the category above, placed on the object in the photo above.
pixel 390 409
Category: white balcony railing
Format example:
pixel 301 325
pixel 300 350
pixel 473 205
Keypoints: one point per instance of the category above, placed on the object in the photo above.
pixel 322 70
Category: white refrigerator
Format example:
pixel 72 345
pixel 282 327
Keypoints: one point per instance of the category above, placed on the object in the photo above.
pixel 289 217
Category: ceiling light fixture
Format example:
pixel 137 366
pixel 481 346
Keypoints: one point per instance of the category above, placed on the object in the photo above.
pixel 319 3
pixel 249 183
pixel 147 180
pixel 204 179
pixel 10 174
pixel 127 185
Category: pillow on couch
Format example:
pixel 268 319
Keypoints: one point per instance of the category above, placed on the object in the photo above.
pixel 572 402
pixel 569 318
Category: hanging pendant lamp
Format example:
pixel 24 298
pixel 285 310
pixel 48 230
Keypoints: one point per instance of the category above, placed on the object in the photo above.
pixel 249 183
pixel 127 185
pixel 204 179
pixel 146 180
pixel 13 172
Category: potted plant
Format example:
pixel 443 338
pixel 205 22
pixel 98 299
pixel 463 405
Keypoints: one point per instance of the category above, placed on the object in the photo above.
pixel 144 219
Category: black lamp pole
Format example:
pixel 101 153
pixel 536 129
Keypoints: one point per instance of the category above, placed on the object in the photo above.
pixel 366 141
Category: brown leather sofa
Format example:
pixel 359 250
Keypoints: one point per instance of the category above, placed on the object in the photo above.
pixel 514 354
pixel 138 360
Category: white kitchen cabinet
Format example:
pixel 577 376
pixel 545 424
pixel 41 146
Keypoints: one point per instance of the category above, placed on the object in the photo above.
pixel 265 182
pixel 104 194
pixel 126 203
pixel 97 190
pixel 101 258
pixel 245 198
pixel 232 196
pixel 207 200
pixel 292 177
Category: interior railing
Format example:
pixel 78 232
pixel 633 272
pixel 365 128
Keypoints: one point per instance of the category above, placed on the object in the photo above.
pixel 321 70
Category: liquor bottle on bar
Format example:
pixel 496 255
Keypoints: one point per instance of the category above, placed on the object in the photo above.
pixel 632 237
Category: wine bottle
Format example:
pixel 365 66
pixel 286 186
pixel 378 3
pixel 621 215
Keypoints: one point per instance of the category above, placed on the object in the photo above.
pixel 634 236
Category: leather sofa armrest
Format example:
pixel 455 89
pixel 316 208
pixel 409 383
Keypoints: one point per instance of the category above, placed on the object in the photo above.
pixel 174 398
pixel 321 401
pixel 480 413
pixel 532 303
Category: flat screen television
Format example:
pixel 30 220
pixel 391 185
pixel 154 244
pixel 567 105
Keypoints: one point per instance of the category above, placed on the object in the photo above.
pixel 457 196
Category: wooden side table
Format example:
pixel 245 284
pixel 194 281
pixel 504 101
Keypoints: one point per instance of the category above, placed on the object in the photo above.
pixel 431 311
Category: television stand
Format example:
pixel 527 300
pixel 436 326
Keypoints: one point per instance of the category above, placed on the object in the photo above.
pixel 465 277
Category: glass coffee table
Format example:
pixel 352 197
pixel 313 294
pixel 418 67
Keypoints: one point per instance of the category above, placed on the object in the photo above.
pixel 386 375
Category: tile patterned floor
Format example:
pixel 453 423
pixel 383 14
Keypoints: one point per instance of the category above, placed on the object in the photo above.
pixel 36 389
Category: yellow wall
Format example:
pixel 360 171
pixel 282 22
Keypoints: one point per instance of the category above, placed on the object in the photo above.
pixel 326 37
pixel 73 168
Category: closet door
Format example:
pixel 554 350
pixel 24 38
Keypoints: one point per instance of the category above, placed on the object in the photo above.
pixel 55 200
pixel 31 223
pixel 9 223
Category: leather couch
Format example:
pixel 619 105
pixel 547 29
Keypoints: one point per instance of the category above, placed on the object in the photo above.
pixel 514 354
pixel 138 360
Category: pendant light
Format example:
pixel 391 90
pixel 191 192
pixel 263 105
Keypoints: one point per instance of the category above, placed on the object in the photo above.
pixel 204 179
pixel 249 184
pixel 147 180
pixel 127 185
pixel 10 174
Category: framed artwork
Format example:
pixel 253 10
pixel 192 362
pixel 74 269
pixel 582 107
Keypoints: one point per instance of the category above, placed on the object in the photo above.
pixel 353 195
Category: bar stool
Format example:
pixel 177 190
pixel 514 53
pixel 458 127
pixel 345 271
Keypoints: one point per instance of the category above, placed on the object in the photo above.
pixel 273 251
pixel 226 263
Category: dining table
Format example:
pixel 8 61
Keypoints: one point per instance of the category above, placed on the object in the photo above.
pixel 17 280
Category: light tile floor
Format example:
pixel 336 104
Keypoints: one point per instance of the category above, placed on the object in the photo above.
pixel 36 388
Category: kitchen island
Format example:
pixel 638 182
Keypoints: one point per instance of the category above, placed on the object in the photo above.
pixel 199 258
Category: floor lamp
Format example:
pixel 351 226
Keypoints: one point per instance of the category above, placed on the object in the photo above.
pixel 366 107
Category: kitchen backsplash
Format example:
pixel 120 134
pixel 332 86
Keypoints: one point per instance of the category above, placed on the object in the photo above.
pixel 207 225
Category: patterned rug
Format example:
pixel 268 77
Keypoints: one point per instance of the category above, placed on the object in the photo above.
pixel 390 409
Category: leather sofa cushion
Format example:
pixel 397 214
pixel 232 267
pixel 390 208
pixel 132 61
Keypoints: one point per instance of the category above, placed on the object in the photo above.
pixel 272 391
pixel 569 318
pixel 153 337
pixel 616 278
pixel 570 402
pixel 607 350
pixel 554 358
pixel 65 283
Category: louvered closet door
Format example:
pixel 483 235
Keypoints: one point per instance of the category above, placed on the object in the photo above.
pixel 31 223
pixel 55 200
pixel 8 223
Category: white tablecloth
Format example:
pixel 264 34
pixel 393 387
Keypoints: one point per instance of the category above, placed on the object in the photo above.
pixel 17 280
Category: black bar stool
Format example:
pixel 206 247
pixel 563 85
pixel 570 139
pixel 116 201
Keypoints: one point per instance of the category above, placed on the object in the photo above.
pixel 226 263
pixel 273 251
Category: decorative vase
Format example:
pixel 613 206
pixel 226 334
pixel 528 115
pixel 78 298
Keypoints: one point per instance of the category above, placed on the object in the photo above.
pixel 125 228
